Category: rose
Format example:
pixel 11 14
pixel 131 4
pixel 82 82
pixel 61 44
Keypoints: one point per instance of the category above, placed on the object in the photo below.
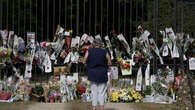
pixel 4 54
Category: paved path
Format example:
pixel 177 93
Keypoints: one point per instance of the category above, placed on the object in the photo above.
pixel 85 106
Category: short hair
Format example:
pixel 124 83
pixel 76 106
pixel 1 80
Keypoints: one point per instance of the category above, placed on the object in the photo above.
pixel 97 42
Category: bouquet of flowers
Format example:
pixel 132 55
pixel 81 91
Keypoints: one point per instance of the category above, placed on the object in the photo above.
pixel 140 53
pixel 5 54
pixel 165 81
pixel 125 95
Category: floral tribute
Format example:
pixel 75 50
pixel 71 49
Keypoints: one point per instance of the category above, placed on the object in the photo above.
pixel 125 95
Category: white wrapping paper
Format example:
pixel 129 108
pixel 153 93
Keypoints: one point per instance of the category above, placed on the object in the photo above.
pixel 147 75
pixel 144 36
pixel 164 48
pixel 11 39
pixel 108 44
pixel 4 34
pixel 171 37
pixel 156 50
pixel 75 57
pixel 75 41
pixel 170 33
pixel 84 39
pixel 123 40
pixel 91 39
pixel 98 37
pixel 48 66
pixel 175 51
pixel 15 45
pixel 139 80
pixel 68 58
pixel 31 44
pixel 165 51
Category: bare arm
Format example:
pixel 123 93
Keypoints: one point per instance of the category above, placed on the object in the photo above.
pixel 85 57
pixel 108 59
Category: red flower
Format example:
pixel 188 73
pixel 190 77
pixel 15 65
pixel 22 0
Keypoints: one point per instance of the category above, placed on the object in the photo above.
pixel 81 89
pixel 44 44
pixel 67 50
pixel 84 50
pixel 113 32
pixel 4 54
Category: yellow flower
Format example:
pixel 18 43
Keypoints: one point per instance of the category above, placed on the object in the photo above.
pixel 135 96
pixel 70 31
pixel 115 96
pixel 119 60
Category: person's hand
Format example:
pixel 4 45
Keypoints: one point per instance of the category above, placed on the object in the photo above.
pixel 80 60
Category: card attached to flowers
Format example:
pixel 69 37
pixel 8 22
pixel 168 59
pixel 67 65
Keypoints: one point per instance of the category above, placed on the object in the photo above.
pixel 114 72
pixel 126 67
pixel 192 63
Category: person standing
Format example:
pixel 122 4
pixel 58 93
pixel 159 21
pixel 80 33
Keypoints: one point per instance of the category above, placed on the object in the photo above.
pixel 97 60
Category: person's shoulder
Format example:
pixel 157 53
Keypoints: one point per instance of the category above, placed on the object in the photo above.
pixel 102 49
pixel 89 49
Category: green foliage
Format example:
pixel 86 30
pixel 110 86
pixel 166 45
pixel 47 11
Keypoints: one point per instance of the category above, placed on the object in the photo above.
pixel 148 90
